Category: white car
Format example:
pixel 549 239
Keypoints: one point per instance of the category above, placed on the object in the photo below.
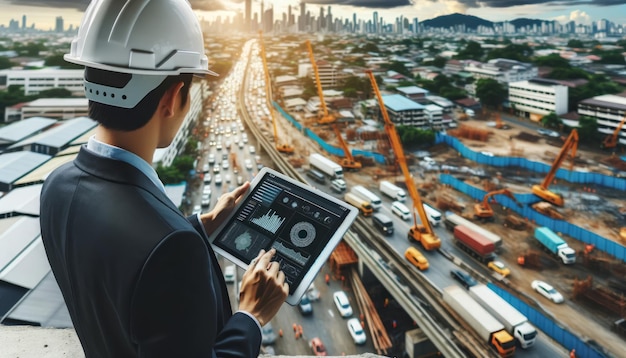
pixel 547 291
pixel 356 331
pixel 343 305
pixel 229 273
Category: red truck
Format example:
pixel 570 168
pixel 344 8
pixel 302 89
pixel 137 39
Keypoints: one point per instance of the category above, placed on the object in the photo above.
pixel 474 243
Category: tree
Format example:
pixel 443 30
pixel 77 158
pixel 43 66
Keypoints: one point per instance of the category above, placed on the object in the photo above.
pixel 57 60
pixel 414 137
pixel 515 52
pixel 473 51
pixel 613 58
pixel 399 67
pixel 588 131
pixel 56 92
pixel 552 60
pixel 551 121
pixel 310 89
pixel 490 92
pixel 575 43
pixel 5 62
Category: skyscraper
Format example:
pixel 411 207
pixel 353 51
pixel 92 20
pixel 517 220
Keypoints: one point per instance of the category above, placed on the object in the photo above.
pixel 59 24
pixel 302 19
pixel 375 22
pixel 248 19
pixel 23 22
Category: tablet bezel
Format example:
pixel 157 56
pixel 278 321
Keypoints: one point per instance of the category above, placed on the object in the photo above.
pixel 315 267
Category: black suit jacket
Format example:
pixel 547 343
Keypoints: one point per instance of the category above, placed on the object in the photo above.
pixel 139 279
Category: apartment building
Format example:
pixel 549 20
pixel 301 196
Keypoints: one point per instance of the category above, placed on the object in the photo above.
pixel 608 110
pixel 405 112
pixel 538 97
pixel 57 108
pixel 330 75
pixel 504 71
pixel 35 81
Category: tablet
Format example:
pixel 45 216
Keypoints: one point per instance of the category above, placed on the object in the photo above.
pixel 302 223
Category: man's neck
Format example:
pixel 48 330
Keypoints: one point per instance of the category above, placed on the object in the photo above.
pixel 139 141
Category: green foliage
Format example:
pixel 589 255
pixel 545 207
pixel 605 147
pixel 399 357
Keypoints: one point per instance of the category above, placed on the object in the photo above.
pixel 588 131
pixel 412 136
pixel 439 62
pixel 473 51
pixel 368 47
pixel 516 52
pixel 551 121
pixel 399 67
pixel 12 96
pixel 55 93
pixel 57 60
pixel 177 172
pixel 354 86
pixel 5 62
pixel 31 49
pixel 568 74
pixel 552 60
pixel 622 43
pixel 490 92
pixel 613 58
pixel 310 89
pixel 597 86
pixel 191 147
pixel 575 43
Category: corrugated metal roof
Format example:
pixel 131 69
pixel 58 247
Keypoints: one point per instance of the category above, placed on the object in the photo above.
pixel 61 135
pixel 16 239
pixel 24 200
pixel 83 139
pixel 43 305
pixel 397 103
pixel 59 102
pixel 17 164
pixel 412 90
pixel 29 267
pixel 18 131
pixel 41 173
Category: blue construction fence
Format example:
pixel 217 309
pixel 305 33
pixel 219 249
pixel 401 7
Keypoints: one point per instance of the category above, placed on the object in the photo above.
pixel 330 149
pixel 564 337
pixel 497 161
pixel 610 247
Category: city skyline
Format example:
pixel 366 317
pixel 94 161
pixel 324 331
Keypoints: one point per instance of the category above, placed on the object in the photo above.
pixel 585 12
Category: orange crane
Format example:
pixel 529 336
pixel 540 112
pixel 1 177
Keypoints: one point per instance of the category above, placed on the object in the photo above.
pixel 348 162
pixel 612 140
pixel 541 190
pixel 484 211
pixel 422 233
pixel 284 147
pixel 324 116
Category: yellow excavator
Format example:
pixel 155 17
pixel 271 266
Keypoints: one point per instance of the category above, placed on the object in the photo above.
pixel 281 147
pixel 348 162
pixel 541 190
pixel 422 233
pixel 324 116
pixel 484 211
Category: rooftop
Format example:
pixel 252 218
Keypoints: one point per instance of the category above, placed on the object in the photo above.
pixel 397 103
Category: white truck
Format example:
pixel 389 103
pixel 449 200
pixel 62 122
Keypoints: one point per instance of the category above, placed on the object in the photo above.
pixel 482 322
pixel 514 321
pixel 393 191
pixel 371 198
pixel 326 166
pixel 434 216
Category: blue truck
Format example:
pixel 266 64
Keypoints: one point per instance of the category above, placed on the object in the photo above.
pixel 555 245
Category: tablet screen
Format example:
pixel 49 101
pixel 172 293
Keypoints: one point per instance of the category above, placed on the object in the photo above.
pixel 297 220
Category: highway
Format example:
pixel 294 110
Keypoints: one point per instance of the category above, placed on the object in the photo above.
pixel 324 322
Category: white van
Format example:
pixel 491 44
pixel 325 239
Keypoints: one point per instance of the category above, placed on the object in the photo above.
pixel 401 210
pixel 434 216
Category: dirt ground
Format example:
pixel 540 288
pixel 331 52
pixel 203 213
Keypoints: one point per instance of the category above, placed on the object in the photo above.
pixel 580 318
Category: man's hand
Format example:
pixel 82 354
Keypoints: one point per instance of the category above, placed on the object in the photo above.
pixel 223 207
pixel 263 288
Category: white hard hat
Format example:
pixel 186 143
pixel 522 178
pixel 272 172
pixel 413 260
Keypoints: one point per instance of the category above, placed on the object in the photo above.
pixel 149 39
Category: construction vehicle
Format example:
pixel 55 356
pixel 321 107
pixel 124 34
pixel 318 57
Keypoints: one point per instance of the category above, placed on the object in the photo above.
pixel 541 190
pixel 348 162
pixel 283 147
pixel 612 140
pixel 451 220
pixel 422 233
pixel 555 245
pixel 324 117
pixel 484 211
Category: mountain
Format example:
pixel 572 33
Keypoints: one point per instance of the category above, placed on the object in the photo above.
pixel 524 22
pixel 456 19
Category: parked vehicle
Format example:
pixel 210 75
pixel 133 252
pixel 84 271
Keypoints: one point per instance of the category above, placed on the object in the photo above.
pixel 416 258
pixel 356 331
pixel 338 185
pixel 383 223
pixel 343 305
pixel 367 195
pixel 305 306
pixel 555 245
pixel 547 291
pixel 364 207
pixel 484 324
pixel 464 278
pixel 451 220
pixel 400 210
pixel 316 175
pixel 326 166
pixel 514 321
pixel 434 216
pixel 475 244
pixel 393 191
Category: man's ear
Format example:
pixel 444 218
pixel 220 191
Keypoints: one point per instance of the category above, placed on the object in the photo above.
pixel 170 100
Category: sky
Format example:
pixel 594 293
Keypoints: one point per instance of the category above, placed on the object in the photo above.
pixel 44 12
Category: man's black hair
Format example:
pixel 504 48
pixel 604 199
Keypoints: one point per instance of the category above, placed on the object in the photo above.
pixel 128 119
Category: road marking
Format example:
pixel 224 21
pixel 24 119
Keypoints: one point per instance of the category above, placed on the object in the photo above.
pixel 330 312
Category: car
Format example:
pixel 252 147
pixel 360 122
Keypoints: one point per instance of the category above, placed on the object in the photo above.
pixel 356 331
pixel 248 163
pixel 549 133
pixel 225 164
pixel 338 185
pixel 229 273
pixel 318 347
pixel 499 267
pixel 268 336
pixel 197 209
pixel 218 179
pixel 206 200
pixel 415 257
pixel 305 306
pixel 227 177
pixel 547 291
pixel 207 178
pixel 239 180
pixel 343 305
pixel 312 293
pixel 252 149
pixel 206 168
pixel 216 168
pixel 464 278
pixel 211 158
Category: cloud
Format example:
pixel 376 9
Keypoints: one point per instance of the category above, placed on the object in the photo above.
pixel 207 5
pixel 61 4
pixel 380 4
pixel 511 3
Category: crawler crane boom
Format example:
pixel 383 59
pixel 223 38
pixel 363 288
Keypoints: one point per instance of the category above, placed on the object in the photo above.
pixel 284 147
pixel 541 190
pixel 324 117
pixel 348 162
pixel 422 233
pixel 483 210
pixel 612 140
